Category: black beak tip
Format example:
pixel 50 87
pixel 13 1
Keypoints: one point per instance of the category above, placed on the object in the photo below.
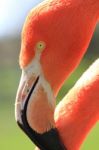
pixel 49 140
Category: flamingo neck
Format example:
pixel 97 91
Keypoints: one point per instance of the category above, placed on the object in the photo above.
pixel 78 112
pixel 93 6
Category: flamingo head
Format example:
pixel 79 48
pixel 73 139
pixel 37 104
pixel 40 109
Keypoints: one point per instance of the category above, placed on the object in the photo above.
pixel 35 100
pixel 42 51
pixel 51 48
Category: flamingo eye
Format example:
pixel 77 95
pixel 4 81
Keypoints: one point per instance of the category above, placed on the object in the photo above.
pixel 40 46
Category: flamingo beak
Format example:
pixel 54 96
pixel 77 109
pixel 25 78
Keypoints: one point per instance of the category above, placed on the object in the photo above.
pixel 25 86
pixel 28 87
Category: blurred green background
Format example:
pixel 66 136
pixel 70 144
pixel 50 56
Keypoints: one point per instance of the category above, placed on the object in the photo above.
pixel 11 137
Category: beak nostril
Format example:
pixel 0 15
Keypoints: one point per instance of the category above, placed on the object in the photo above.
pixel 33 87
pixel 28 90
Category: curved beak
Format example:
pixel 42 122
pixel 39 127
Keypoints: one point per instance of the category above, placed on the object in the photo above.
pixel 35 113
pixel 25 89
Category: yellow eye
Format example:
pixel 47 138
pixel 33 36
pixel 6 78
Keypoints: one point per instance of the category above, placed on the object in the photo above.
pixel 40 45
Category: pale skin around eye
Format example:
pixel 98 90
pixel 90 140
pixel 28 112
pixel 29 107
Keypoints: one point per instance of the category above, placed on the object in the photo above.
pixel 40 46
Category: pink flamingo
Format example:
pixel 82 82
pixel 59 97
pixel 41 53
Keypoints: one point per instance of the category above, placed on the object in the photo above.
pixel 55 37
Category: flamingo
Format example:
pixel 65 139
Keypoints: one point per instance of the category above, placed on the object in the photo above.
pixel 55 37
pixel 79 110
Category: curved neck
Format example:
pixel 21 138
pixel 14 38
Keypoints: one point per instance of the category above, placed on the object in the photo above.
pixel 93 6
pixel 88 12
pixel 79 110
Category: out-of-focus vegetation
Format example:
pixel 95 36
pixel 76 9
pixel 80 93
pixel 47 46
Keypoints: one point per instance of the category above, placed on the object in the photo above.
pixel 11 136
